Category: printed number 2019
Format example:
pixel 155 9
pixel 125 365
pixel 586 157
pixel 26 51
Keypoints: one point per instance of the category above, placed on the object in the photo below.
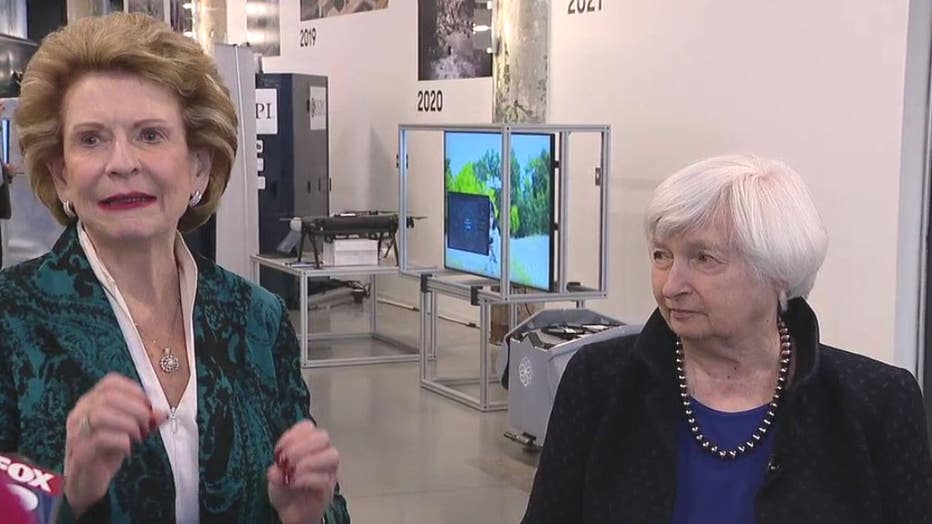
pixel 308 37
pixel 430 100
pixel 578 7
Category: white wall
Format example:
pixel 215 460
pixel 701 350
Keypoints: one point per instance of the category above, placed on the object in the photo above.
pixel 370 59
pixel 817 84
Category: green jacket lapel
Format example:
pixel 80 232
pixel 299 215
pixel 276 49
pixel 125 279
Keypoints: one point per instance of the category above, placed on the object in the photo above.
pixel 91 331
pixel 219 346
pixel 86 328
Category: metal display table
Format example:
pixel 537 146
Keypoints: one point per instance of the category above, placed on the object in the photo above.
pixel 305 271
pixel 435 284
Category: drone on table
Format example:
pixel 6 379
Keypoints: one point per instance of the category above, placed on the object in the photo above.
pixel 381 226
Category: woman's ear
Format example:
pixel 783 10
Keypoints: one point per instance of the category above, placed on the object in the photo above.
pixel 203 161
pixel 57 171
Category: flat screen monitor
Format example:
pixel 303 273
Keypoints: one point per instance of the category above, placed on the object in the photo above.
pixel 472 192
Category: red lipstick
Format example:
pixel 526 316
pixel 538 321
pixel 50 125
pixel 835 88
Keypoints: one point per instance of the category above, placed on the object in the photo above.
pixel 125 201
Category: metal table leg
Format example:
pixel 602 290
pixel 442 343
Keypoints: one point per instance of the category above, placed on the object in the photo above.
pixel 305 355
pixel 433 325
pixel 484 333
pixel 373 305
pixel 423 342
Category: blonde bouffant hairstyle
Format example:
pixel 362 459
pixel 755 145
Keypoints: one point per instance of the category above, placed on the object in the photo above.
pixel 135 44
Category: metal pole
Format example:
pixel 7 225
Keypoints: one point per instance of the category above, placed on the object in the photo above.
pixel 564 209
pixel 304 331
pixel 422 333
pixel 433 325
pixel 603 217
pixel 373 305
pixel 484 355
pixel 504 213
pixel 402 199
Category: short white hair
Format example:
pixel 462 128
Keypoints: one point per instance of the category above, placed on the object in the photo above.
pixel 769 212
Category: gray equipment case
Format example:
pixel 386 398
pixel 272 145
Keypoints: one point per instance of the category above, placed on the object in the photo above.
pixel 535 361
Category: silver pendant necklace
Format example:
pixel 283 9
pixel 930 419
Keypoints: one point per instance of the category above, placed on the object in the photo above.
pixel 761 431
pixel 168 362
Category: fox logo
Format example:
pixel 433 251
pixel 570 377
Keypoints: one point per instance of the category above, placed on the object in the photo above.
pixel 26 474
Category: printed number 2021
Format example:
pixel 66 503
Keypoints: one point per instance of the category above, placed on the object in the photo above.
pixel 578 7
pixel 431 100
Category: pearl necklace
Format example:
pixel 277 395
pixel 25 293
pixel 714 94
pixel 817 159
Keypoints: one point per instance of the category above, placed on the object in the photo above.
pixel 761 431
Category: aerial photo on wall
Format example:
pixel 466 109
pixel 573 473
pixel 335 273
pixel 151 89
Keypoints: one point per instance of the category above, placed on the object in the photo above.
pixel 314 9
pixel 445 41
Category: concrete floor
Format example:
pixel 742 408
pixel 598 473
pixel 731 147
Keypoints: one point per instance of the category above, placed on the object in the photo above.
pixel 410 456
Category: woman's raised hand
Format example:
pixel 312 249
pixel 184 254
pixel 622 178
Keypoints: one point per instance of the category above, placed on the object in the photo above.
pixel 304 475
pixel 100 432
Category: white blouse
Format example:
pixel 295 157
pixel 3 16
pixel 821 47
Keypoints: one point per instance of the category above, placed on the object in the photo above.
pixel 180 433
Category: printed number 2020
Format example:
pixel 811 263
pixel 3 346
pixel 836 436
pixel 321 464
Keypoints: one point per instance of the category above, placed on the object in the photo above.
pixel 578 7
pixel 431 100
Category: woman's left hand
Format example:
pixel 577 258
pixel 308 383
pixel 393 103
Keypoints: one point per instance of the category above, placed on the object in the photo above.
pixel 303 477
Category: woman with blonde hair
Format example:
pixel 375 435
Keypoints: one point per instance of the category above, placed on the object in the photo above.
pixel 164 387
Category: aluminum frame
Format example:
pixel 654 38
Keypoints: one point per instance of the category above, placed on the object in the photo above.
pixel 504 281
pixel 305 336
pixel 438 285
pixel 446 387
pixel 436 281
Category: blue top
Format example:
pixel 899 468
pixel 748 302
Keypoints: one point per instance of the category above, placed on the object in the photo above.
pixel 710 490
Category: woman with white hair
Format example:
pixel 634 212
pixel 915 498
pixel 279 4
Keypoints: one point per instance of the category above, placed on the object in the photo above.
pixel 726 408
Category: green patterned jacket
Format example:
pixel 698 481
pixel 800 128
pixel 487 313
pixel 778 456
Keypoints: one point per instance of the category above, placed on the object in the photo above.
pixel 59 336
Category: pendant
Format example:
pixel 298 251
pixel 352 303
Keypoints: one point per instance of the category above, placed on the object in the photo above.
pixel 169 363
